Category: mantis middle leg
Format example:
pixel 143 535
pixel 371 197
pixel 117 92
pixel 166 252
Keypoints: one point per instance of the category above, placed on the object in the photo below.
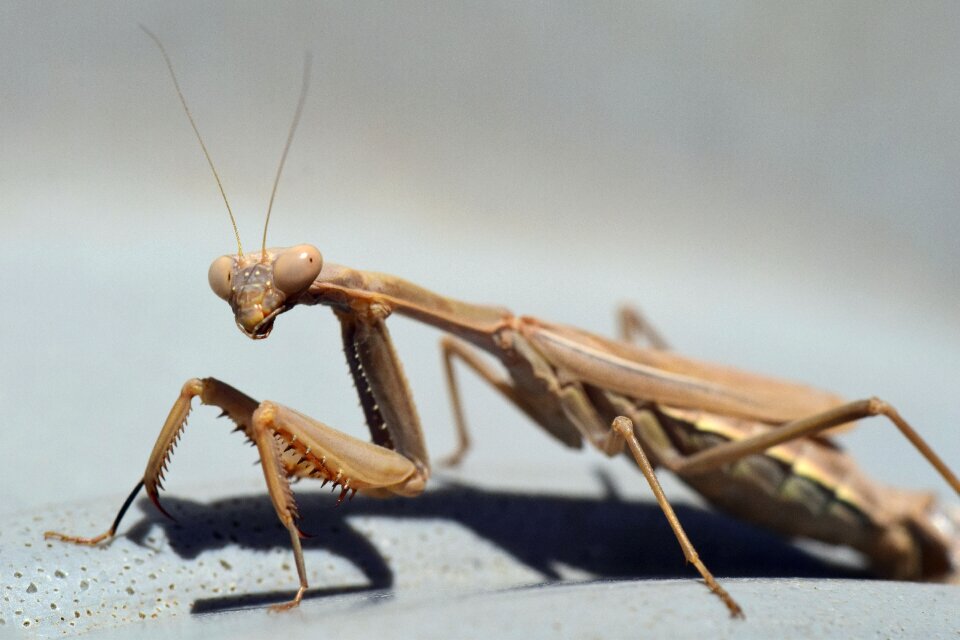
pixel 610 439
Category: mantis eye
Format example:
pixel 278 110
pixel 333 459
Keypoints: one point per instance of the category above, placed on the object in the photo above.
pixel 220 276
pixel 296 268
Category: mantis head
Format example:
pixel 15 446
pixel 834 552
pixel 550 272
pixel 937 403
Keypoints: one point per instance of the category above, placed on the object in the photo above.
pixel 261 287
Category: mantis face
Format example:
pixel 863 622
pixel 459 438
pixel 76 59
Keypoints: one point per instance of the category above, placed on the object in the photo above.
pixel 260 287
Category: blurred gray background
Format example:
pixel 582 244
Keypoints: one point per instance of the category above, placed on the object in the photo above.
pixel 775 184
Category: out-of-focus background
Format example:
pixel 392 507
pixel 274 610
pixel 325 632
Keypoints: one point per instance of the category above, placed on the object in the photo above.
pixel 774 184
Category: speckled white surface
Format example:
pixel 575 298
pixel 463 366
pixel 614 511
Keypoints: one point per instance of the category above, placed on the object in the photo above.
pixel 776 185
pixel 225 560
pixel 462 561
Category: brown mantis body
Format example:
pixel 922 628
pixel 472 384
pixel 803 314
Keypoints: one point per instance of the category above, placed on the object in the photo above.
pixel 754 446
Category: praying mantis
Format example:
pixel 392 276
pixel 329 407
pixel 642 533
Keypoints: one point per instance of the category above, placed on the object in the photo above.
pixel 756 447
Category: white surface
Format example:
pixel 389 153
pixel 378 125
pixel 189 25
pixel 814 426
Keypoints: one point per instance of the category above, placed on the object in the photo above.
pixel 775 186
pixel 465 560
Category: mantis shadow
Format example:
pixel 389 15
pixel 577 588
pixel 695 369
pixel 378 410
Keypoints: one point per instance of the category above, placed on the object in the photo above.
pixel 609 538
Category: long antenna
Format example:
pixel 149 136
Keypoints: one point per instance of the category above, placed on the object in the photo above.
pixel 193 124
pixel 283 158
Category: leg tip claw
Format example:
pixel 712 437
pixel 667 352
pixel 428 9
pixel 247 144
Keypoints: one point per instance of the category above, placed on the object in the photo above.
pixel 286 606
pixel 304 534
pixel 451 461
pixel 56 535
pixel 155 499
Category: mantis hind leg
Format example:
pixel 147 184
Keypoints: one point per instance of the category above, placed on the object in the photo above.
pixel 903 535
pixel 734 450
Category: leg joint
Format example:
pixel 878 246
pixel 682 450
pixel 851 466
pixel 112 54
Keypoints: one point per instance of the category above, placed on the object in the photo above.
pixel 623 425
pixel 265 415
pixel 876 406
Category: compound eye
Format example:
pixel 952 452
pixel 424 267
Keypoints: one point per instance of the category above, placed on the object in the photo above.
pixel 296 268
pixel 220 276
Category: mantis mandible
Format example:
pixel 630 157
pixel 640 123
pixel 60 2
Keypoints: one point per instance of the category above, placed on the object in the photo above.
pixel 754 446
